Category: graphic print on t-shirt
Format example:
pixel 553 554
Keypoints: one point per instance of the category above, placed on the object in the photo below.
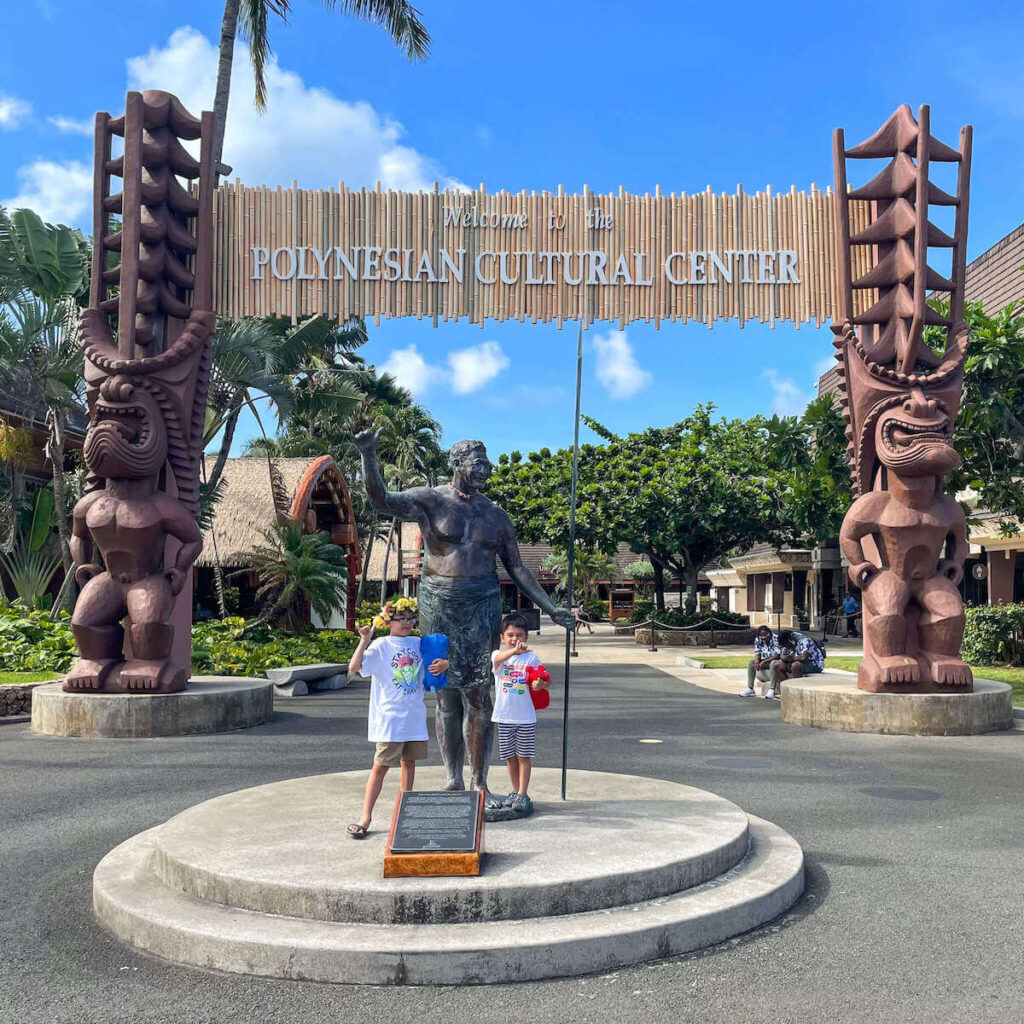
pixel 405 670
pixel 513 678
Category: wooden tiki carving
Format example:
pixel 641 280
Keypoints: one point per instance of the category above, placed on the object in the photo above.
pixel 904 536
pixel 146 338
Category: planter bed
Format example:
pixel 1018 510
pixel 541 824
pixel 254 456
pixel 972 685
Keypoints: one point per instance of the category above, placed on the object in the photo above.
pixel 696 637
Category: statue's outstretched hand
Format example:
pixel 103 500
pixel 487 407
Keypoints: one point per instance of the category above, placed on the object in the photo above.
pixel 366 442
pixel 564 617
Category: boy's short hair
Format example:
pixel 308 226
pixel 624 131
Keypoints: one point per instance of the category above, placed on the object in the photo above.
pixel 516 621
pixel 786 636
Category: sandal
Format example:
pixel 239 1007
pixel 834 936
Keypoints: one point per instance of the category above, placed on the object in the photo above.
pixel 356 831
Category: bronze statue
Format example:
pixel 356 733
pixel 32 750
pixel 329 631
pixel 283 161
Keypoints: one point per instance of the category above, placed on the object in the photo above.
pixel 904 536
pixel 146 388
pixel 463 534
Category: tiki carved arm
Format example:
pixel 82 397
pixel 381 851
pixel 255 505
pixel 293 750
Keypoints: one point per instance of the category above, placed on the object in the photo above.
pixel 83 551
pixel 403 504
pixel 860 522
pixel 957 548
pixel 179 524
pixel 508 552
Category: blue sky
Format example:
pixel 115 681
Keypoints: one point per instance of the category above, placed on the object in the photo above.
pixel 533 95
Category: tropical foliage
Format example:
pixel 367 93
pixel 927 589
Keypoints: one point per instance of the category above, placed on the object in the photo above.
pixel 294 569
pixel 590 566
pixel 30 641
pixel 994 635
pixel 251 20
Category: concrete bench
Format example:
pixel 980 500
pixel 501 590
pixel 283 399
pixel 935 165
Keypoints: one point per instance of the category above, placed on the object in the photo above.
pixel 298 680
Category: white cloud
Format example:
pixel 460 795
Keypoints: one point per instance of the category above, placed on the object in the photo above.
pixel 71 126
pixel 469 369
pixel 60 192
pixel 306 132
pixel 617 368
pixel 787 397
pixel 473 367
pixel 411 370
pixel 13 111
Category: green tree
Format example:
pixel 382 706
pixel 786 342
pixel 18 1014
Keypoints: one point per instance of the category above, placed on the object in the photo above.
pixel 683 495
pixel 590 566
pixel 292 568
pixel 43 274
pixel 989 432
pixel 251 19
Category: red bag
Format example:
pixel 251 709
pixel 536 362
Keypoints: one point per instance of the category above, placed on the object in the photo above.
pixel 541 698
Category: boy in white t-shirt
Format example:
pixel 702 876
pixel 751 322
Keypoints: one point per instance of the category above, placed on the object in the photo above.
pixel 397 721
pixel 514 713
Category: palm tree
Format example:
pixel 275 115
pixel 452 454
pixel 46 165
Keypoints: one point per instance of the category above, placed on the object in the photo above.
pixel 41 364
pixel 293 567
pixel 43 275
pixel 251 18
pixel 590 566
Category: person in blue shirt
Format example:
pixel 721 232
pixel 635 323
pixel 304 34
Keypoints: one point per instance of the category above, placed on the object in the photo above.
pixel 850 609
pixel 800 654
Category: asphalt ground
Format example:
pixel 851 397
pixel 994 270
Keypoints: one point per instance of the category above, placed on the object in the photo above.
pixel 913 910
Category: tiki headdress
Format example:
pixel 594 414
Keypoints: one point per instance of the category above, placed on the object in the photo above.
pixel 888 370
pixel 146 334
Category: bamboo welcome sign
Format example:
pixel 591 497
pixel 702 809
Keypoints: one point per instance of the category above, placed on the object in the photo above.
pixel 450 255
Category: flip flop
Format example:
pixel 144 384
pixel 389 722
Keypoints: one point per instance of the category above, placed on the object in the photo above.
pixel 356 831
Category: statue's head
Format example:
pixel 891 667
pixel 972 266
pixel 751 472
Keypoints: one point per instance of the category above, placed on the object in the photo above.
pixel 915 437
pixel 127 436
pixel 468 459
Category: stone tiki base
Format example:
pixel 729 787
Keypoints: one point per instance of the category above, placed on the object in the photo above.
pixel 836 703
pixel 210 704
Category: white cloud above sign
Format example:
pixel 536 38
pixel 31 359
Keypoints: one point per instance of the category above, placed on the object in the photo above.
pixel 468 370
pixel 306 132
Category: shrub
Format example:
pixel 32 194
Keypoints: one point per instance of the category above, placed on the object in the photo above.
pixel 31 642
pixel 596 609
pixel 994 635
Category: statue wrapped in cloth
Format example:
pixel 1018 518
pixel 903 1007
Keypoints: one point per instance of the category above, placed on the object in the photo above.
pixel 463 535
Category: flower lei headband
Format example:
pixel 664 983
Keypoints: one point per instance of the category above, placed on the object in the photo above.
pixel 387 612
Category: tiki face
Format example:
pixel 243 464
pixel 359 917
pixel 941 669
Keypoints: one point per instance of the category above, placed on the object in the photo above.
pixel 127 436
pixel 915 437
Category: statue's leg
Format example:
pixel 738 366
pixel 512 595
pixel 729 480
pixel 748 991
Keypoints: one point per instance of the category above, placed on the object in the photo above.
pixel 96 624
pixel 479 732
pixel 149 610
pixel 448 728
pixel 941 631
pixel 885 628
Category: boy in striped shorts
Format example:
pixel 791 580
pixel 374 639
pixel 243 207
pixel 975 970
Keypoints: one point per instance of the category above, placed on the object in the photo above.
pixel 514 713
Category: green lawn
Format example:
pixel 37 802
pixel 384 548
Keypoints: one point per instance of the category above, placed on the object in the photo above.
pixel 1013 676
pixel 11 678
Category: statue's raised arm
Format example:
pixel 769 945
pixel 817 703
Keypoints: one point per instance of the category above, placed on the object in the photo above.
pixel 403 504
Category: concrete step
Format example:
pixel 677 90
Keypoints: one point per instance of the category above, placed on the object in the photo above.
pixel 282 849
pixel 132 901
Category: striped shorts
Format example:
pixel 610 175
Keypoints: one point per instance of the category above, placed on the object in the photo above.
pixel 517 740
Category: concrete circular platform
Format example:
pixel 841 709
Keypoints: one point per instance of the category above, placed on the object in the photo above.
pixel 210 704
pixel 836 703
pixel 265 881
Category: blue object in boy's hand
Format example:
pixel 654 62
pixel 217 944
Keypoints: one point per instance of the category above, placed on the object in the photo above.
pixel 432 647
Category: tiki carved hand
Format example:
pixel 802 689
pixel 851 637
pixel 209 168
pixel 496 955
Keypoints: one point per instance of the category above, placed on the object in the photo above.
pixel 176 578
pixel 947 567
pixel 862 573
pixel 84 573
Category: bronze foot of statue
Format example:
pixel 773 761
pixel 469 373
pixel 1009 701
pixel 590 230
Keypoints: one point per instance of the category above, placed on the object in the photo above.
pixel 454 785
pixel 89 676
pixel 948 671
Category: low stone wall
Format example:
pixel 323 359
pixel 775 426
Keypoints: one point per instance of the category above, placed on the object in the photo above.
pixel 696 638
pixel 16 699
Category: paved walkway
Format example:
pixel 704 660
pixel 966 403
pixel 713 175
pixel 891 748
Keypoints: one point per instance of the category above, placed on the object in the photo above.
pixel 608 647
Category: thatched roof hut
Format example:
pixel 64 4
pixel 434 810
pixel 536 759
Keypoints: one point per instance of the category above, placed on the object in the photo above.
pixel 314 492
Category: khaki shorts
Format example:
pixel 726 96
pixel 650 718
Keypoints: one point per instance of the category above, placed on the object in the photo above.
pixel 392 754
